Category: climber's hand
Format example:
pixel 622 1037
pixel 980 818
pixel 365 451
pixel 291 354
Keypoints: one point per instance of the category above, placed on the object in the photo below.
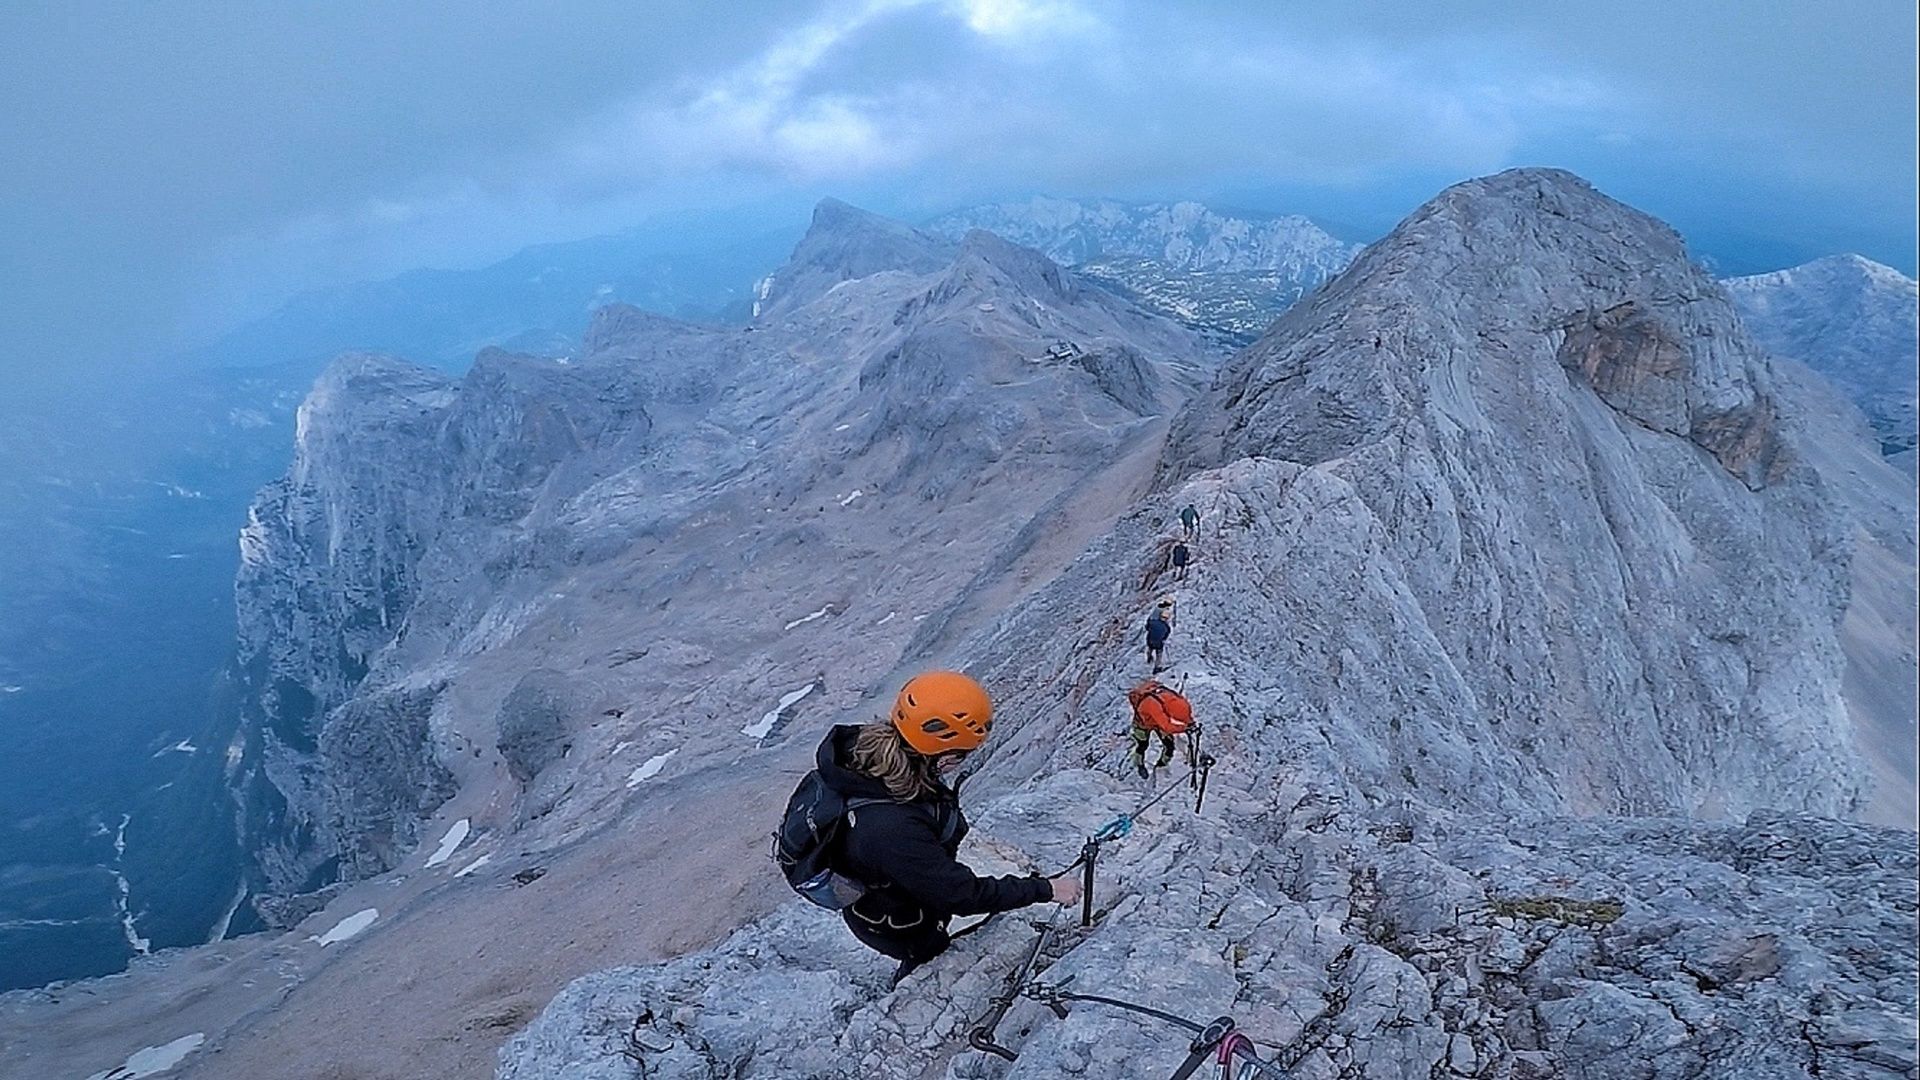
pixel 1066 890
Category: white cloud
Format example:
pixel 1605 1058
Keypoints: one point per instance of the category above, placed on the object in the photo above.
pixel 946 99
pixel 1024 19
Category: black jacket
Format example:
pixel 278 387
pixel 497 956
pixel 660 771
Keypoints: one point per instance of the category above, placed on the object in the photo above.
pixel 904 851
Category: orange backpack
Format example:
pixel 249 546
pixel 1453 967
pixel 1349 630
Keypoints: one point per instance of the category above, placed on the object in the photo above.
pixel 1158 708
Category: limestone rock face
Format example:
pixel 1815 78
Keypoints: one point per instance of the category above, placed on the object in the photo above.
pixel 1349 942
pixel 1515 638
pixel 1552 434
pixel 328 571
pixel 382 779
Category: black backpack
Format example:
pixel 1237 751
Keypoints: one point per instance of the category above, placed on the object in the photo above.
pixel 804 843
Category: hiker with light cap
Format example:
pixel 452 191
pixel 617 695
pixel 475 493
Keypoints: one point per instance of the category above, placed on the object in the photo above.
pixel 873 832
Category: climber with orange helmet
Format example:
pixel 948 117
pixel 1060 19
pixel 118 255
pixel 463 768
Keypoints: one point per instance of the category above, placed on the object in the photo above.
pixel 904 824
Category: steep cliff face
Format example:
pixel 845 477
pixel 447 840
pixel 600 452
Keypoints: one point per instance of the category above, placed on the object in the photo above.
pixel 329 568
pixel 1515 620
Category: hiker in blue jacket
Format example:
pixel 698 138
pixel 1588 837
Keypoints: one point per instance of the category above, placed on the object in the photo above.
pixel 1159 628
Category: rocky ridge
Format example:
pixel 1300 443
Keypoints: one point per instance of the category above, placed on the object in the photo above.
pixel 1522 769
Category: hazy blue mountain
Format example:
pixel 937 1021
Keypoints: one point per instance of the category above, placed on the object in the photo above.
pixel 539 300
pixel 1231 275
pixel 1854 321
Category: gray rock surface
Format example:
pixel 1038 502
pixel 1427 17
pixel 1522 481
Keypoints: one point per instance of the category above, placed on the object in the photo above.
pixel 1539 437
pixel 1515 631
pixel 1351 942
pixel 536 722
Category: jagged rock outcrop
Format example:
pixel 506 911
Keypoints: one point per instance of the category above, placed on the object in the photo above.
pixel 1514 633
pixel 382 778
pixel 536 723
pixel 1852 320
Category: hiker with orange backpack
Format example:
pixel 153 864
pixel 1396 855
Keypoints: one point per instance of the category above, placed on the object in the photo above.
pixel 1157 710
pixel 874 830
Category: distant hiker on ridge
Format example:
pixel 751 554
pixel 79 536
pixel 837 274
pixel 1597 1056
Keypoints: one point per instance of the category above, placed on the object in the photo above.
pixel 1159 628
pixel 1190 519
pixel 873 831
pixel 1179 558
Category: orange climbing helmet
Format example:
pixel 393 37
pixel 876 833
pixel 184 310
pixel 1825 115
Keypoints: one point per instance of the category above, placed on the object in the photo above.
pixel 938 712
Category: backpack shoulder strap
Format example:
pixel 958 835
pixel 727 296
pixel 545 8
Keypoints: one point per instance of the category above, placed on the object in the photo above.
pixel 945 818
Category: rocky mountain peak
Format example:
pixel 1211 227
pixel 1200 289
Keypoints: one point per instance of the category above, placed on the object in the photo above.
pixel 1015 267
pixel 845 243
pixel 1860 269
pixel 616 324
pixel 1528 260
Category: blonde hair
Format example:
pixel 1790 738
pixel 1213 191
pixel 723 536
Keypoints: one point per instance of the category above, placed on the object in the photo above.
pixel 880 752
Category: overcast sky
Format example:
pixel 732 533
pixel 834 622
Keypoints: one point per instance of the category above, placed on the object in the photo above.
pixel 167 168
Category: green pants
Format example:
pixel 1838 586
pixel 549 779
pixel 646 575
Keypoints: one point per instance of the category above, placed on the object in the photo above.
pixel 1140 736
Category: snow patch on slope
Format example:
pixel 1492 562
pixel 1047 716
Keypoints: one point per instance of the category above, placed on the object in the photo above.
pixel 153 1060
pixel 348 928
pixel 456 835
pixel 760 728
pixel 649 769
